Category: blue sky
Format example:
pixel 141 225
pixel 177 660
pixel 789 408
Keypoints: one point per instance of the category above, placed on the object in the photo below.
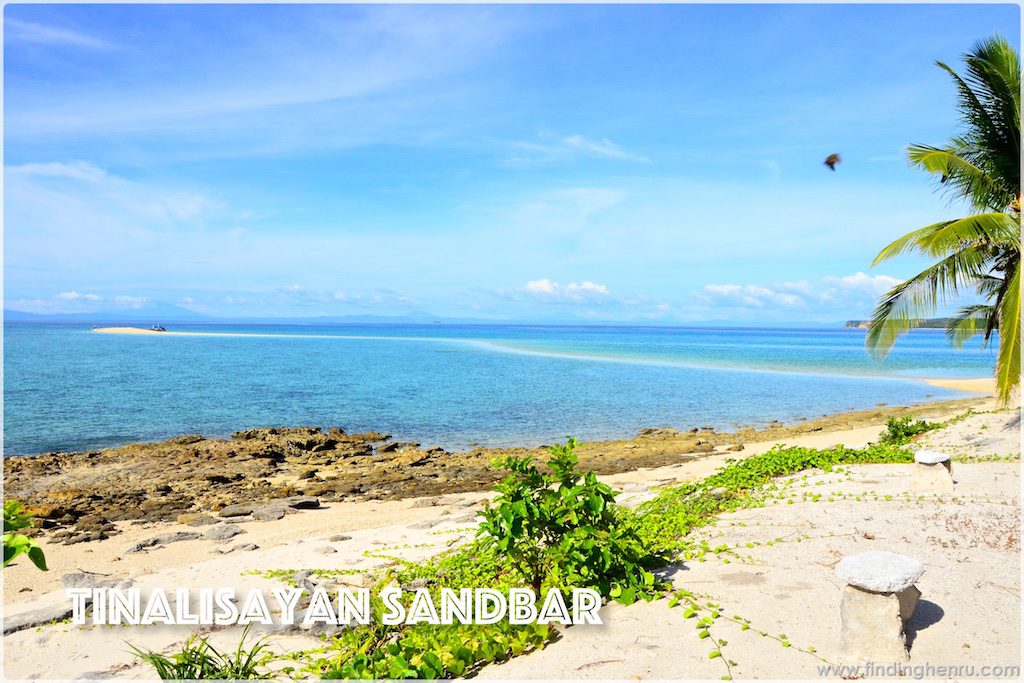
pixel 651 164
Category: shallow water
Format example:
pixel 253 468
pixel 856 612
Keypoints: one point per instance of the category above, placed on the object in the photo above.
pixel 66 388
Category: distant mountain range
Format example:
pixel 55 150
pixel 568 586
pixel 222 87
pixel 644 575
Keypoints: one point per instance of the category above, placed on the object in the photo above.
pixel 158 312
pixel 929 324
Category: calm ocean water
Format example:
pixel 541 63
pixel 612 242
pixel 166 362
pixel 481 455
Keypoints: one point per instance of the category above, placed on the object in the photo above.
pixel 66 388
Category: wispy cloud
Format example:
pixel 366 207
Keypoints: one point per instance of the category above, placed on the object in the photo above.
pixel 551 149
pixel 19 31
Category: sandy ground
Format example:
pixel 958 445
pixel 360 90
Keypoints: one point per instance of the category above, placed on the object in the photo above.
pixel 968 541
pixel 982 385
pixel 126 330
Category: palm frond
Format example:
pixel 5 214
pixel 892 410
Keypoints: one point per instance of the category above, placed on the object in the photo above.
pixel 905 305
pixel 960 176
pixel 939 239
pixel 970 321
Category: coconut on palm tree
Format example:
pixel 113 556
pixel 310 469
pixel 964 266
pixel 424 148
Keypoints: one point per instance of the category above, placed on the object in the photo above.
pixel 980 251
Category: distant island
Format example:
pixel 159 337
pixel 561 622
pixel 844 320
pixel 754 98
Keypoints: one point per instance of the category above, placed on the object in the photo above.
pixel 929 324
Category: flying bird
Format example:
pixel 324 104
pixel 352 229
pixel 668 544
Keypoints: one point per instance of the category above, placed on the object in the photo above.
pixel 831 160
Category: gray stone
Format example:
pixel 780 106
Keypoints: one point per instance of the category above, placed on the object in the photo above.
pixel 928 457
pixel 880 571
pixel 163 539
pixel 428 524
pixel 237 510
pixel 225 551
pixel 38 617
pixel 326 550
pixel 89 580
pixel 269 513
pixel 339 537
pixel 301 502
pixel 204 520
pixel 426 502
pixel 222 532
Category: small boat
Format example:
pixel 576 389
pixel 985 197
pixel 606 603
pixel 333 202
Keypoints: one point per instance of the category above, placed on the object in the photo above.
pixel 158 328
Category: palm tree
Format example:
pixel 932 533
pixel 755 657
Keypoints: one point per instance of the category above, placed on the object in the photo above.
pixel 980 251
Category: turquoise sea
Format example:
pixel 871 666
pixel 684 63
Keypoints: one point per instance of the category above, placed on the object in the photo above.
pixel 66 388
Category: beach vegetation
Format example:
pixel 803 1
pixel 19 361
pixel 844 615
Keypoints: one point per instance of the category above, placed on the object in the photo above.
pixel 199 660
pixel 564 529
pixel 980 167
pixel 902 430
pixel 16 543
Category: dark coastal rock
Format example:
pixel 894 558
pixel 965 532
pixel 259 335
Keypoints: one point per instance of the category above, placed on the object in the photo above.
pixel 77 497
pixel 163 539
pixel 187 439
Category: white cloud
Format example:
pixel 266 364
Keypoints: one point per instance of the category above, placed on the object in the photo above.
pixel 18 31
pixel 77 296
pixel 73 301
pixel 574 291
pixel 73 170
pixel 834 292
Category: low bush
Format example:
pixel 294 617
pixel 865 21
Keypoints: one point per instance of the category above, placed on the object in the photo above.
pixel 565 530
pixel 899 431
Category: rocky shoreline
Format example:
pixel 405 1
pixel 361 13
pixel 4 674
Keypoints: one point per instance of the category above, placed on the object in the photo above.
pixel 267 473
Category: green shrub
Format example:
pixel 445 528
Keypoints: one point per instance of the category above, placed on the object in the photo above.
pixel 16 544
pixel 899 431
pixel 198 660
pixel 565 530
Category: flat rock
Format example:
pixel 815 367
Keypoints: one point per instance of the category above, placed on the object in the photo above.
pixel 880 571
pixel 163 539
pixel 88 580
pixel 237 510
pixel 428 524
pixel 244 547
pixel 301 502
pixel 222 532
pixel 268 513
pixel 198 520
pixel 340 537
pixel 37 617
pixel 929 457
